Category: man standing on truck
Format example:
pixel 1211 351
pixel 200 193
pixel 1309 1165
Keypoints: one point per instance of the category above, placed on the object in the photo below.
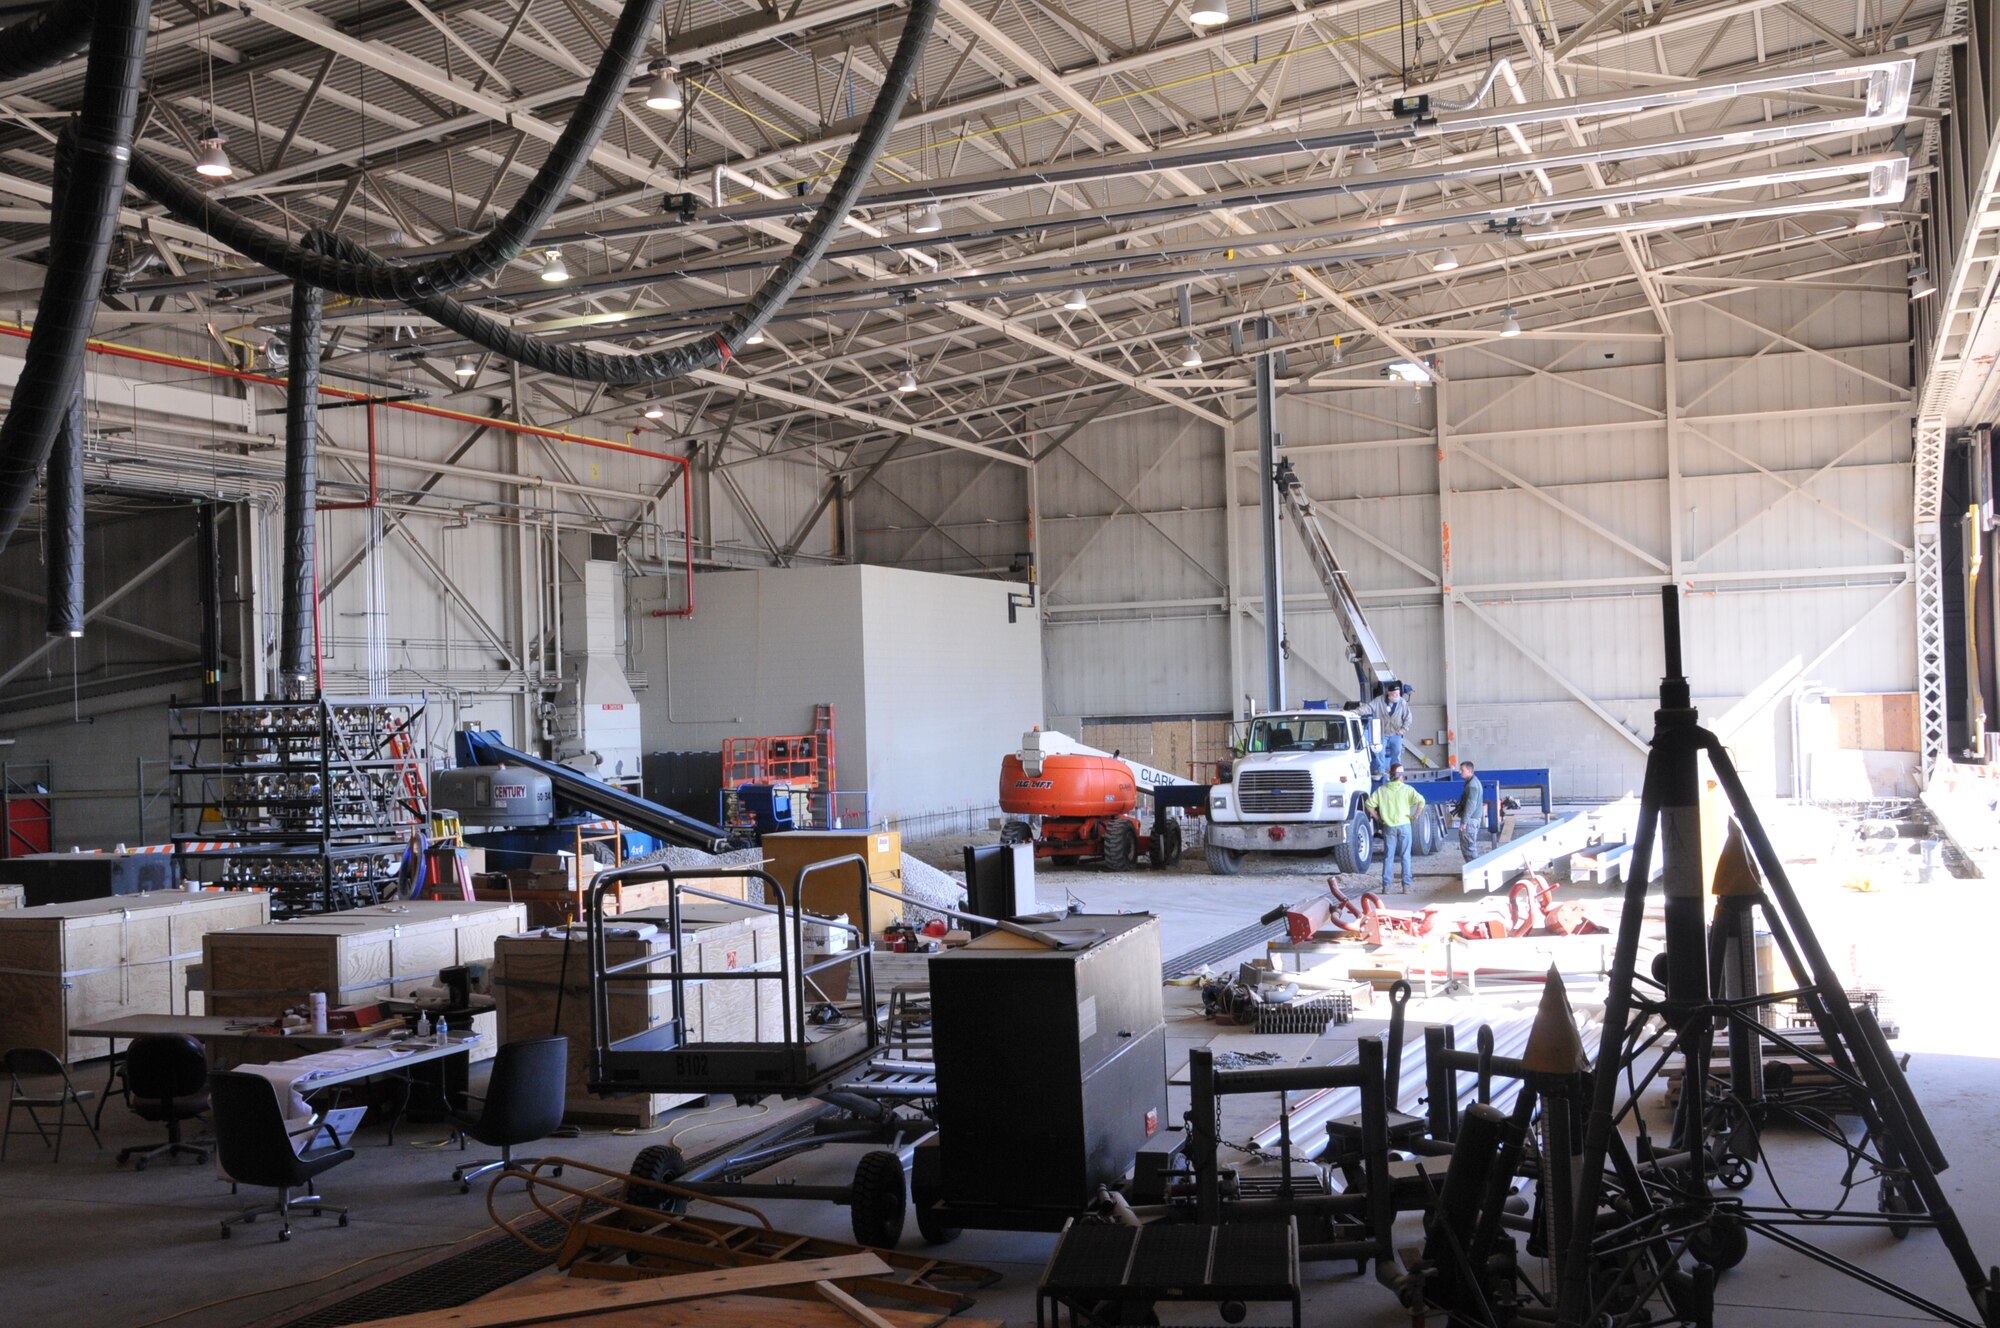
pixel 1471 811
pixel 1394 806
pixel 1394 712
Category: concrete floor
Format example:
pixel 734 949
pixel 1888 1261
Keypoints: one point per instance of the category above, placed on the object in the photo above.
pixel 89 1243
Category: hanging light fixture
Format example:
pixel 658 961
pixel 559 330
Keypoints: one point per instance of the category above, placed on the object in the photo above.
pixel 1870 221
pixel 1510 326
pixel 466 369
pixel 1191 354
pixel 908 382
pixel 928 222
pixel 213 161
pixel 655 411
pixel 756 338
pixel 1921 283
pixel 1208 13
pixel 1078 300
pixel 1366 166
pixel 1338 354
pixel 553 267
pixel 1445 262
pixel 664 92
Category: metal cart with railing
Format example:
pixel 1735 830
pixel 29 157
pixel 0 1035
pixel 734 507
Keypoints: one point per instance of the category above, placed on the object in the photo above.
pixel 828 1050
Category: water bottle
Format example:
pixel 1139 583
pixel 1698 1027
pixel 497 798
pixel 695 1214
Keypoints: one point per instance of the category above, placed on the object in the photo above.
pixel 442 1040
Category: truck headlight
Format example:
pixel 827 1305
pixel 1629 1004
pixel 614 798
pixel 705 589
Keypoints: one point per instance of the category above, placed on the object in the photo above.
pixel 1333 800
pixel 1220 802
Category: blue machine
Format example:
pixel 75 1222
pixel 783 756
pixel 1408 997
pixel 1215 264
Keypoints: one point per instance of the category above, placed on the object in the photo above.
pixel 769 806
pixel 1445 785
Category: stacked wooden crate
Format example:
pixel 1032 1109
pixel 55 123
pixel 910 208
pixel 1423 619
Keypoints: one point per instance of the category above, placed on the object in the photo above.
pixel 363 954
pixel 65 965
pixel 542 984
pixel 837 892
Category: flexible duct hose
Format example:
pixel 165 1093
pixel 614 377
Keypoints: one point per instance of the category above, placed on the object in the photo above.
pixel 301 603
pixel 47 39
pixel 361 275
pixel 189 206
pixel 82 222
pixel 62 495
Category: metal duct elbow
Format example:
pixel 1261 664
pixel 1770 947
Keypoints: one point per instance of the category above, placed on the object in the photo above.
pixel 1500 67
pixel 83 220
pixel 299 617
pixel 63 499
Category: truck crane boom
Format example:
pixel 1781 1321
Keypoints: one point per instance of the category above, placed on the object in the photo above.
pixel 1364 651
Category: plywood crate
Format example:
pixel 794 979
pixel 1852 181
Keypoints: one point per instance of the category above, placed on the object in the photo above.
pixel 13 896
pixel 833 893
pixel 363 954
pixel 559 907
pixel 66 965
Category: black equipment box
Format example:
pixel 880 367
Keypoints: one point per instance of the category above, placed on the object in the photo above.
pixel 64 878
pixel 999 881
pixel 1051 1065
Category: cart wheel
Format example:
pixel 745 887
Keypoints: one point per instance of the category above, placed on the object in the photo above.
pixel 929 1225
pixel 1233 1311
pixel 286 1234
pixel 878 1200
pixel 1721 1244
pixel 658 1162
pixel 1735 1171
pixel 1894 1200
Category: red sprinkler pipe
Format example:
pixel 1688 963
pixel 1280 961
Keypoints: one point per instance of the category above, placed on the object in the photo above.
pixel 117 350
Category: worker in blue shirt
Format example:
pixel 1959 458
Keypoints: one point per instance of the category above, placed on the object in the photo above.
pixel 1394 806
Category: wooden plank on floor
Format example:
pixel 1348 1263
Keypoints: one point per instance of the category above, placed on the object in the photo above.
pixel 743 1312
pixel 586 1299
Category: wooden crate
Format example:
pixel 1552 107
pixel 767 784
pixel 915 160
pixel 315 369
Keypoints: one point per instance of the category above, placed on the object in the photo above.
pixel 363 954
pixel 558 908
pixel 539 996
pixel 833 894
pixel 13 896
pixel 65 965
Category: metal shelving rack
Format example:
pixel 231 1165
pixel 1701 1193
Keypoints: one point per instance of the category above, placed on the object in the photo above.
pixel 311 800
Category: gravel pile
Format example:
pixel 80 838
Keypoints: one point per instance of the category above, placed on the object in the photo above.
pixel 693 859
pixel 925 884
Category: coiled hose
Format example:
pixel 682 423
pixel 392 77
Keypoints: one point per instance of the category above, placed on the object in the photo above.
pixel 188 205
pixel 83 219
pixel 361 275
pixel 47 39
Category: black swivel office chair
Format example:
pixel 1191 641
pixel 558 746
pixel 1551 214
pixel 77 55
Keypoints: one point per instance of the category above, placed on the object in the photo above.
pixel 523 1103
pixel 31 1063
pixel 166 1081
pixel 255 1149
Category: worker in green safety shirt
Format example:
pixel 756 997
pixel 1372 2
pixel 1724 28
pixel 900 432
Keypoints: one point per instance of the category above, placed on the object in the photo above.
pixel 1394 806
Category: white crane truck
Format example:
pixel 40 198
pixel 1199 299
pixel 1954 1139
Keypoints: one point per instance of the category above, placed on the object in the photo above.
pixel 1300 777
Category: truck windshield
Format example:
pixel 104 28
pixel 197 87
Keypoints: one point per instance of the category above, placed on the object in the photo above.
pixel 1298 733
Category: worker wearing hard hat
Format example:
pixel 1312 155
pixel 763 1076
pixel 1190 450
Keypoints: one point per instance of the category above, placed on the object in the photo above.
pixel 1394 806
pixel 1392 708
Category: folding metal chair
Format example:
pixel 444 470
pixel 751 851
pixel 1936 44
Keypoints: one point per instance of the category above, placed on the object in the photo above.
pixel 33 1062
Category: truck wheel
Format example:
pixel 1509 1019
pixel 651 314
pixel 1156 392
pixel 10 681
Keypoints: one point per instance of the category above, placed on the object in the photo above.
pixel 1357 848
pixel 1120 845
pixel 1016 832
pixel 1426 833
pixel 1223 861
pixel 1167 847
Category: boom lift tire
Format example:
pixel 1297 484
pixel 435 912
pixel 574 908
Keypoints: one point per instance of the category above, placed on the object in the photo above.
pixel 1120 845
pixel 1017 832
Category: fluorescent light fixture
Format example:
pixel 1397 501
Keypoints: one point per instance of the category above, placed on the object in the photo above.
pixel 928 222
pixel 1445 262
pixel 76 635
pixel 909 381
pixel 553 267
pixel 213 162
pixel 1191 354
pixel 1870 220
pixel 1510 326
pixel 655 411
pixel 1208 13
pixel 466 369
pixel 756 338
pixel 1407 371
pixel 1921 283
pixel 664 93
pixel 1078 300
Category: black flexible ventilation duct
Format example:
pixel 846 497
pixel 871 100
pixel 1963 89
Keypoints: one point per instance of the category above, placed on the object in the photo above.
pixel 47 39
pixel 360 275
pixel 296 646
pixel 62 494
pixel 190 206
pixel 82 222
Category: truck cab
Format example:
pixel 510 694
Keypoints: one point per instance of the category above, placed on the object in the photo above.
pixel 1296 786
